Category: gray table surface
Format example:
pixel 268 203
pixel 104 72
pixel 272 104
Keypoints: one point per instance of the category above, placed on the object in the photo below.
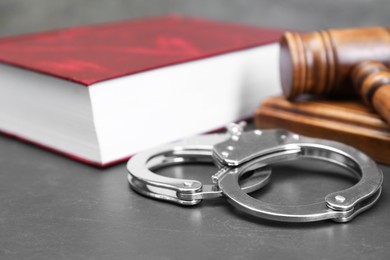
pixel 54 208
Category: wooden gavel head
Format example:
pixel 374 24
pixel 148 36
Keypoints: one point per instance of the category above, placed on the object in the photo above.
pixel 320 63
pixel 338 62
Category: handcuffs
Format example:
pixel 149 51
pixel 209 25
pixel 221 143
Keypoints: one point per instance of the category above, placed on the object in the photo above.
pixel 236 153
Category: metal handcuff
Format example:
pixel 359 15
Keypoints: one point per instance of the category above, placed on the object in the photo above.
pixel 236 153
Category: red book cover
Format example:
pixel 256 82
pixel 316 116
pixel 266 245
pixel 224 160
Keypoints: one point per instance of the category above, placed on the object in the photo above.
pixel 94 53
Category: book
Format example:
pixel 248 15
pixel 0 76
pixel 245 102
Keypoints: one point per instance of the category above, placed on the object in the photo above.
pixel 100 93
pixel 347 121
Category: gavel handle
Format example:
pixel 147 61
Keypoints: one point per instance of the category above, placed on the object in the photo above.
pixel 371 79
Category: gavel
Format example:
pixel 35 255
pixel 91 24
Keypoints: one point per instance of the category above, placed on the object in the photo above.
pixel 339 62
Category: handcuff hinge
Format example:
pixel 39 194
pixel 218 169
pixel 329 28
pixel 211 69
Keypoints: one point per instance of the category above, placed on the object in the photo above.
pixel 219 174
pixel 237 154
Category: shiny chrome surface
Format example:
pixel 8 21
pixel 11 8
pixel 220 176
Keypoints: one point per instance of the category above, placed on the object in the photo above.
pixel 340 206
pixel 197 149
pixel 239 152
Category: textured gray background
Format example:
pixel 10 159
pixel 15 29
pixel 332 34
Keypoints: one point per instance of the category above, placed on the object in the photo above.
pixel 21 16
pixel 54 208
